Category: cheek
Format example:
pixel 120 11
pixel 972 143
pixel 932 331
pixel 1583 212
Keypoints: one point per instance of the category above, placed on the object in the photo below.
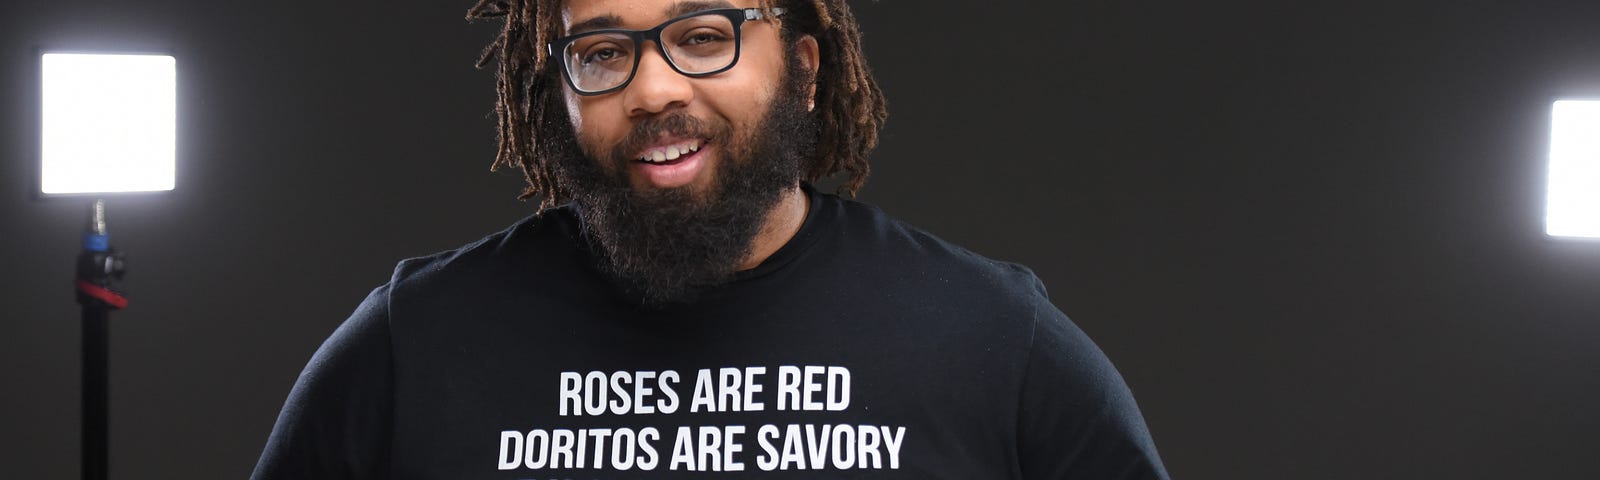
pixel 752 107
pixel 742 97
pixel 595 129
pixel 748 94
pixel 574 112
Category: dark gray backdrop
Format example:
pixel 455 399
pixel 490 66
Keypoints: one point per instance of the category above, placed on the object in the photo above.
pixel 1309 234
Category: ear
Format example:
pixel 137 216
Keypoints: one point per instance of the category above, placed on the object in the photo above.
pixel 810 58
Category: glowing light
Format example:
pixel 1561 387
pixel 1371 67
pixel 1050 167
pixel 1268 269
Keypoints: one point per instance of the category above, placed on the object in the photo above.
pixel 109 123
pixel 1574 189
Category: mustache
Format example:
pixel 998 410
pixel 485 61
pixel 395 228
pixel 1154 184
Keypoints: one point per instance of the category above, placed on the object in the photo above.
pixel 677 125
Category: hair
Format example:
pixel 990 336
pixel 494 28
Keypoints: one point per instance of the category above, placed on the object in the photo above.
pixel 534 127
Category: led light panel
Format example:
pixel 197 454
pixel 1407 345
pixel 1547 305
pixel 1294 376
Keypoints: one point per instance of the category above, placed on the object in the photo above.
pixel 1573 208
pixel 109 123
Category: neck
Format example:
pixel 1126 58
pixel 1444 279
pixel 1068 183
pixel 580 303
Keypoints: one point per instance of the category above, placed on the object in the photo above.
pixel 781 225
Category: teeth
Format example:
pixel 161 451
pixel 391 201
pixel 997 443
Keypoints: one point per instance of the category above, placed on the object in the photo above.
pixel 670 152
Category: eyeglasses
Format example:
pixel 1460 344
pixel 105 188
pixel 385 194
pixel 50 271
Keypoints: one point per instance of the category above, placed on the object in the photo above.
pixel 696 45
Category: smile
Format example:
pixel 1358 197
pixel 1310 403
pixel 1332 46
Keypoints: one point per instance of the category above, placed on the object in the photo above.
pixel 672 165
pixel 667 153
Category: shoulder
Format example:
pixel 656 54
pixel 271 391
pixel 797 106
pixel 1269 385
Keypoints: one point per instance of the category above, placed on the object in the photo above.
pixel 524 245
pixel 918 255
pixel 336 419
pixel 935 291
pixel 1068 392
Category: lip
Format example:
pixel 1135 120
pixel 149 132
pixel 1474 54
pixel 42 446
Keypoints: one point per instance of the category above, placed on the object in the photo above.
pixel 673 173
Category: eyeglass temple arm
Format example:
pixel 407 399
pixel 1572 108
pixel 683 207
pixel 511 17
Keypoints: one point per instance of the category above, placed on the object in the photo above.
pixel 755 13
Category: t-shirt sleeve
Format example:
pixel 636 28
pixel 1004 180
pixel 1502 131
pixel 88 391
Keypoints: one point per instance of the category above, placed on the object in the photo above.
pixel 336 422
pixel 1077 417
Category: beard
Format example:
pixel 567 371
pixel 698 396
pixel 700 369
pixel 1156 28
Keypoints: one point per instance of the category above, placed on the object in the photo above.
pixel 665 246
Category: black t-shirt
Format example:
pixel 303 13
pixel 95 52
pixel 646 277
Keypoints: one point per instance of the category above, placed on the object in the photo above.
pixel 863 348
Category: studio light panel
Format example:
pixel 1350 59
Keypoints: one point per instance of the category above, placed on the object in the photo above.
pixel 1573 208
pixel 109 123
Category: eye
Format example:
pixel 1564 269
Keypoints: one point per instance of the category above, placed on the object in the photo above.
pixel 602 55
pixel 702 37
pixel 600 49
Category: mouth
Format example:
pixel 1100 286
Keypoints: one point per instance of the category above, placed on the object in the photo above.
pixel 671 153
pixel 671 165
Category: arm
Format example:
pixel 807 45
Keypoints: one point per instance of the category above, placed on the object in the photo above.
pixel 336 422
pixel 1077 418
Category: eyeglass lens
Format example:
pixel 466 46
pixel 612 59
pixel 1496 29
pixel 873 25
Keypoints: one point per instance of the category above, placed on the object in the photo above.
pixel 694 45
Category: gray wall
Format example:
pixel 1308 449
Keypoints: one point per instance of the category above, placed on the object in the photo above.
pixel 1310 235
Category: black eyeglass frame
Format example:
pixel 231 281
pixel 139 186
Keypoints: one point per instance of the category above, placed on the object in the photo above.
pixel 738 16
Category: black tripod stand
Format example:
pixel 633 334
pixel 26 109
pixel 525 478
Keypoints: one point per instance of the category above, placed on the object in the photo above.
pixel 100 270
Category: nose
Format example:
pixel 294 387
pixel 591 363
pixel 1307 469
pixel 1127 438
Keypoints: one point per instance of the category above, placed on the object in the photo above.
pixel 656 87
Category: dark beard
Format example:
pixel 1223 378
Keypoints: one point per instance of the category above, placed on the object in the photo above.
pixel 664 247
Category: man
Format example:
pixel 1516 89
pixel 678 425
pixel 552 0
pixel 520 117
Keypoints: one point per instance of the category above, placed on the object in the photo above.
pixel 685 305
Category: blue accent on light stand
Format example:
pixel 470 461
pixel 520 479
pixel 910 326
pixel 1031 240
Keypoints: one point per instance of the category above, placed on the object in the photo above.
pixel 96 243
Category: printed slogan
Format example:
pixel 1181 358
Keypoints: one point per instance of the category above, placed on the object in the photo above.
pixel 705 448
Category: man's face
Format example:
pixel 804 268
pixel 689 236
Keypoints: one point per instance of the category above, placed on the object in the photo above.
pixel 726 108
pixel 666 228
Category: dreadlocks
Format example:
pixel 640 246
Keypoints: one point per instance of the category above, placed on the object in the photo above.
pixel 532 118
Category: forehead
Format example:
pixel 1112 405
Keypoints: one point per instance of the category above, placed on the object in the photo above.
pixel 635 14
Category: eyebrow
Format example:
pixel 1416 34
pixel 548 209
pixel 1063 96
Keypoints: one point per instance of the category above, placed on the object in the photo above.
pixel 677 10
pixel 684 8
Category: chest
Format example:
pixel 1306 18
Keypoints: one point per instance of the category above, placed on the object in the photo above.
pixel 771 394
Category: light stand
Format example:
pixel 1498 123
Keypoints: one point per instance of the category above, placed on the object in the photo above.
pixel 100 270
